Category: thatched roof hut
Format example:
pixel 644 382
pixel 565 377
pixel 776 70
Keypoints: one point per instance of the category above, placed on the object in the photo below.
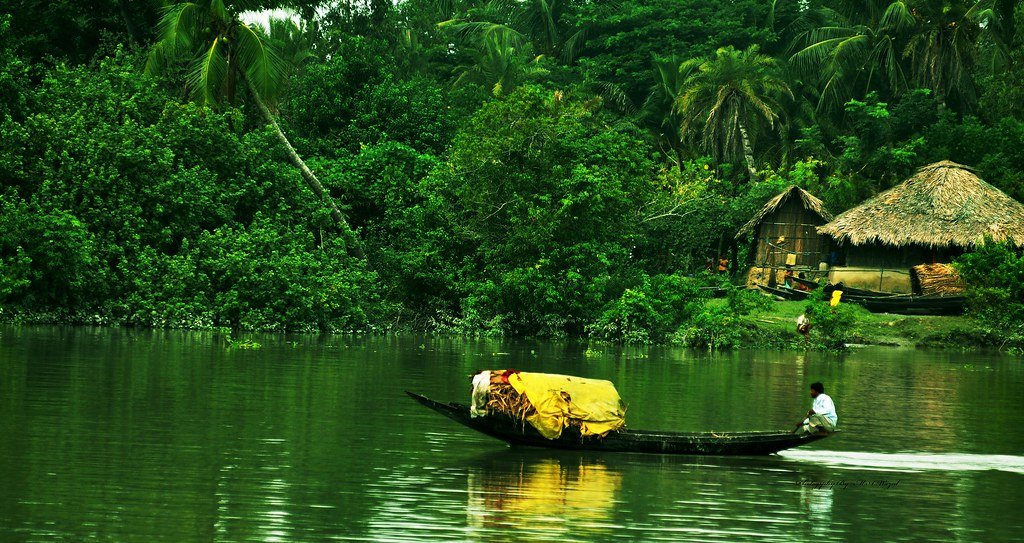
pixel 806 200
pixel 786 236
pixel 937 214
pixel 944 204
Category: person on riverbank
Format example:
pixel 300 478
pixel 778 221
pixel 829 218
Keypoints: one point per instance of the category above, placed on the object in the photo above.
pixel 822 417
pixel 803 323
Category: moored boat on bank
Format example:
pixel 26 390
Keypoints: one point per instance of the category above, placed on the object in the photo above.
pixel 914 305
pixel 786 293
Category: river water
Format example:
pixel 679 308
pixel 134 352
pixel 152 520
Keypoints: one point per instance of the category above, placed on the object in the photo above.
pixel 123 435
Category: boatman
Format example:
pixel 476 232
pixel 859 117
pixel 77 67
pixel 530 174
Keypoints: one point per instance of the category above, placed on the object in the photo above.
pixel 821 419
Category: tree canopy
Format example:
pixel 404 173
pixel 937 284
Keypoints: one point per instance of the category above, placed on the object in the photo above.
pixel 561 168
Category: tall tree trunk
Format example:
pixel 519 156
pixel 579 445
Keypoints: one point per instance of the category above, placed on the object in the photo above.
pixel 352 244
pixel 133 33
pixel 1004 11
pixel 940 100
pixel 748 153
pixel 734 252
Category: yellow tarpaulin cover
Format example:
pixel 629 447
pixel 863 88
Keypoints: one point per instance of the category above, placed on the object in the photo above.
pixel 558 399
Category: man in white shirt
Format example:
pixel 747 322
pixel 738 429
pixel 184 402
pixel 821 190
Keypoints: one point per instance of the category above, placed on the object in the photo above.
pixel 822 418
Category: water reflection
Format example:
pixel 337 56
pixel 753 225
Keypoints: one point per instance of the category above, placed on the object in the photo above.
pixel 816 503
pixel 533 497
pixel 115 435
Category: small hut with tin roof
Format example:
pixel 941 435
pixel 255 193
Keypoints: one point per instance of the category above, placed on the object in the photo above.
pixel 937 214
pixel 786 237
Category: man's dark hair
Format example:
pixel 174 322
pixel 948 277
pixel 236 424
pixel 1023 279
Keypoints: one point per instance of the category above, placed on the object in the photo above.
pixel 819 387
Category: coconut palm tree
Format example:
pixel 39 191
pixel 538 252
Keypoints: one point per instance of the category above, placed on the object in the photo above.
pixel 854 52
pixel 540 23
pixel 223 52
pixel 500 62
pixel 946 44
pixel 728 98
pixel 892 46
pixel 292 42
pixel 659 108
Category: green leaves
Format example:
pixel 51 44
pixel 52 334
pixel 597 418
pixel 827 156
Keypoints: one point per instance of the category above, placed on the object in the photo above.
pixel 208 75
pixel 726 97
pixel 933 44
pixel 544 200
pixel 994 275
pixel 262 67
pixel 221 51
pixel 128 204
pixel 177 35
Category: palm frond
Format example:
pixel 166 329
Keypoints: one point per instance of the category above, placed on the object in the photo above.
pixel 207 77
pixel 574 45
pixel 178 28
pixel 897 17
pixel 218 11
pixel 262 67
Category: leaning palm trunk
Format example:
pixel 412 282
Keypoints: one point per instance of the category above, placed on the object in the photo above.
pixel 351 241
pixel 748 153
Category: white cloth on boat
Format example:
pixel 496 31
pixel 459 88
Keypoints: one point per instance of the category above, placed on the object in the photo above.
pixel 478 405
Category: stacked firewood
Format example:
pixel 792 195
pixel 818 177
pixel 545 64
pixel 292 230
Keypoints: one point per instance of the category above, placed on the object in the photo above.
pixel 938 280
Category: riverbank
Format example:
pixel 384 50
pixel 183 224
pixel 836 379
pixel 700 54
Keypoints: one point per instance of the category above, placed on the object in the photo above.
pixel 772 328
pixel 776 327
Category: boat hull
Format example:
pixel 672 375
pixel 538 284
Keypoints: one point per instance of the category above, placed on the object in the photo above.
pixel 517 433
pixel 915 305
pixel 786 293
pixel 887 302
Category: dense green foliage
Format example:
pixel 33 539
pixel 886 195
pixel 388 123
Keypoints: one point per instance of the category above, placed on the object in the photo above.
pixel 560 169
pixel 831 326
pixel 995 278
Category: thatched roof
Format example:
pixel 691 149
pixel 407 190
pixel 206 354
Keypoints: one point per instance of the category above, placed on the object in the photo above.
pixel 942 204
pixel 807 199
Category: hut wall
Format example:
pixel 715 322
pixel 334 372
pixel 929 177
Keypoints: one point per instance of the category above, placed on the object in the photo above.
pixel 798 228
pixel 886 268
pixel 880 279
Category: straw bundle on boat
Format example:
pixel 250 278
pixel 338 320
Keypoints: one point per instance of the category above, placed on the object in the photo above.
pixel 937 280
pixel 502 398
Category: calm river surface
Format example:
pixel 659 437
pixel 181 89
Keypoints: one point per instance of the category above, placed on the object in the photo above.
pixel 122 435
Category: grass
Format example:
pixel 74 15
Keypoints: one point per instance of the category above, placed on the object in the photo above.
pixel 779 322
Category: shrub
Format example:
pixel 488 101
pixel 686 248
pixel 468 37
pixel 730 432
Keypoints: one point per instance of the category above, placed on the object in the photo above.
pixel 650 311
pixel 717 327
pixel 265 277
pixel 831 327
pixel 994 275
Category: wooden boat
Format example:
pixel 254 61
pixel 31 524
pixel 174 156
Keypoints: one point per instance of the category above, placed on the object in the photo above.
pixel 853 292
pixel 848 291
pixel 786 293
pixel 813 285
pixel 517 433
pixel 913 305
